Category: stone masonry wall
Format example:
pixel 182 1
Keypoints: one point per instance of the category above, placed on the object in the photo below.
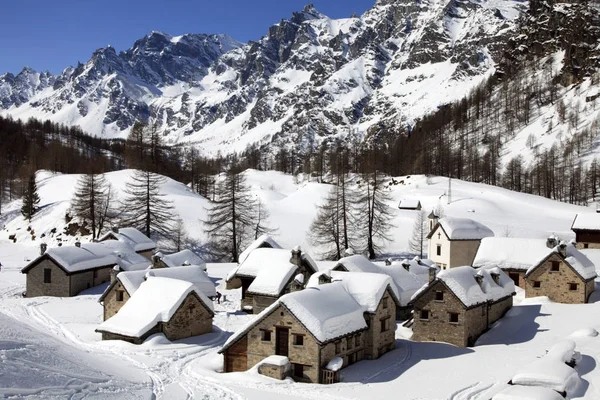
pixel 190 319
pixel 259 303
pixel 111 305
pixel 378 342
pixel 497 310
pixel 589 289
pixel 555 285
pixel 35 286
pixel 476 323
pixel 85 280
pixel 438 326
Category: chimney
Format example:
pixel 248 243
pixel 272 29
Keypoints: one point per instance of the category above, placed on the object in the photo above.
pixel 349 252
pixel 432 274
pixel 496 277
pixel 324 278
pixel 551 242
pixel 43 248
pixel 479 280
pixel 296 256
pixel 114 229
pixel 156 261
pixel 418 260
pixel 562 249
pixel 388 262
pixel 406 265
pixel 186 263
pixel 78 244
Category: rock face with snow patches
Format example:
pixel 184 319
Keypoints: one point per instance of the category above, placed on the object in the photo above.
pixel 309 78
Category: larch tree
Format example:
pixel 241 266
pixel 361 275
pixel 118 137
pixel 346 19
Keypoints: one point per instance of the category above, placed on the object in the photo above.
pixel 232 217
pixel 374 213
pixel 92 201
pixel 147 208
pixel 31 199
pixel 419 234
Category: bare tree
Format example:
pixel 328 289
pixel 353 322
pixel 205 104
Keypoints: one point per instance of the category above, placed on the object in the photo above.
pixel 147 208
pixel 419 233
pixel 262 220
pixel 375 214
pixel 91 202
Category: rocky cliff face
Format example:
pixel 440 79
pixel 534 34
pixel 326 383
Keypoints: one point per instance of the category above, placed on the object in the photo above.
pixel 311 78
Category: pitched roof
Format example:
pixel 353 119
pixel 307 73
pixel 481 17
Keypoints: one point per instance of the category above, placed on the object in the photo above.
pixel 328 312
pixel 156 300
pixel 182 258
pixel 463 283
pixel 576 259
pixel 586 222
pixel 262 241
pixel 263 257
pixel 357 263
pixel 274 275
pixel 516 253
pixel 462 229
pixel 133 237
pixel 409 204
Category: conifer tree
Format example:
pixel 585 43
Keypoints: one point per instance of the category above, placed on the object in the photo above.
pixel 31 199
pixel 145 206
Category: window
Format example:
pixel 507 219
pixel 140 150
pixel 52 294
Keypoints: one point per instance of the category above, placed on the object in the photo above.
pixel 357 340
pixel 385 302
pixel 298 339
pixel 338 347
pixel 555 266
pixel 453 317
pixel 349 343
pixel 47 275
pixel 385 324
pixel 439 250
pixel 424 315
pixel 537 284
pixel 439 296
pixel 265 335
pixel 119 295
pixel 298 370
pixel 586 245
pixel 573 286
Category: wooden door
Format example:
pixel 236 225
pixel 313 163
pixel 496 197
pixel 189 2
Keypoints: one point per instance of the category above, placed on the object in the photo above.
pixel 282 338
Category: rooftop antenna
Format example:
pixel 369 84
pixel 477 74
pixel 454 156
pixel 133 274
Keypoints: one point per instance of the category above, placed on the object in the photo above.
pixel 449 190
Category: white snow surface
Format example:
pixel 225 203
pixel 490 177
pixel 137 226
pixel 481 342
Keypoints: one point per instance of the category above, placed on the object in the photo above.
pixel 548 372
pixel 409 203
pixel 262 241
pixel 335 364
pixel 156 300
pixel 132 237
pixel 279 361
pixel 262 258
pixel 274 274
pixel 358 263
pixel 73 258
pixel 527 393
pixel 576 259
pixel 182 257
pixel 464 229
pixel 587 221
pixel 509 252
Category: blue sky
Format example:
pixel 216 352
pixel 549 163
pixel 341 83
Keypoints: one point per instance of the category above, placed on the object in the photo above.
pixel 50 35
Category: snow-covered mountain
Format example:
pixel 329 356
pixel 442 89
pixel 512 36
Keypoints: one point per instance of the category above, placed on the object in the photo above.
pixel 310 78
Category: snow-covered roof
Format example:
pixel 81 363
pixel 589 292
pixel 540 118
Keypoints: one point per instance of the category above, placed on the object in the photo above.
pixel 463 229
pixel 328 311
pixel 131 236
pixel 274 275
pixel 463 283
pixel 527 393
pixel 262 241
pixel 405 283
pixel 126 255
pixel 515 253
pixel 155 301
pixel 575 258
pixel 409 204
pixel 263 258
pixel 547 372
pixel 184 257
pixel 586 222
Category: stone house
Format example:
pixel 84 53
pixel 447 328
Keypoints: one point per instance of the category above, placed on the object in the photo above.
pixel 460 304
pixel 133 238
pixel 410 204
pixel 275 271
pixel 453 242
pixel 514 256
pixel 181 258
pixel 405 282
pixel 127 283
pixel 587 230
pixel 314 326
pixel 173 307
pixel 263 242
pixel 565 275
pixel 65 271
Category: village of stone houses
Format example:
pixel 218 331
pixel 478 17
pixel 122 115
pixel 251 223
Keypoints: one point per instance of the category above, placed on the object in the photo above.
pixel 478 293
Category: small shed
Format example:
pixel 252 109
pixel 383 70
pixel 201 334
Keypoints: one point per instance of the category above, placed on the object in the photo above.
pixel 410 204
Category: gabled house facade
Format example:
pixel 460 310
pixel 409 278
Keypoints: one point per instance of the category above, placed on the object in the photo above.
pixel 564 275
pixel 311 328
pixel 263 242
pixel 453 242
pixel 587 230
pixel 460 304
pixel 161 305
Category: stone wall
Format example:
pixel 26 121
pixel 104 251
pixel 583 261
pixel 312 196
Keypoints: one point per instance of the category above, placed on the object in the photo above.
pixel 462 252
pixel 378 342
pixel 520 273
pixel 349 350
pixel 111 305
pixel 190 319
pixel 259 303
pixel 140 340
pixel 591 239
pixel 88 279
pixel 476 323
pixel 274 371
pixel 438 327
pixel 498 309
pixel 58 287
pixel 555 284
pixel 590 245
pixel 589 289
pixel 146 254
